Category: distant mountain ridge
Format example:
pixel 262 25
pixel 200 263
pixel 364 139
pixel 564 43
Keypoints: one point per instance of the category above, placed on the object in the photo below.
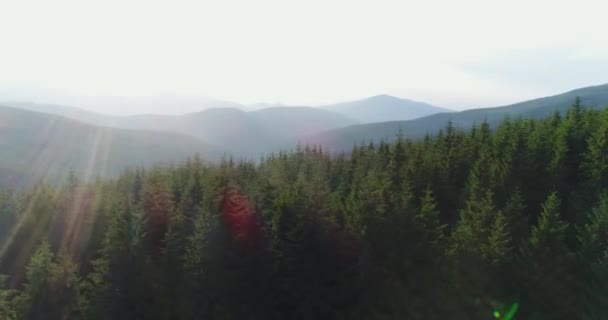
pixel 344 138
pixel 249 131
pixel 377 108
pixel 36 144
pixel 384 107
pixel 240 133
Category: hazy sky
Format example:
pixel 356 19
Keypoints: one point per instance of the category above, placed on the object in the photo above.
pixel 464 53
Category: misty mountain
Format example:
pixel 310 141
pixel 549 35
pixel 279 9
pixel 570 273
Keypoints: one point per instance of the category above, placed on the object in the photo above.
pixel 382 108
pixel 250 134
pixel 248 131
pixel 36 145
pixel 240 133
pixel 345 138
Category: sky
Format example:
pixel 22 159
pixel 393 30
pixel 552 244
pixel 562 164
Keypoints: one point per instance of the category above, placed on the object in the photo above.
pixel 455 54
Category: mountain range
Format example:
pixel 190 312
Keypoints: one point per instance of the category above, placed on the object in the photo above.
pixel 264 129
pixel 344 138
pixel 47 140
pixel 237 132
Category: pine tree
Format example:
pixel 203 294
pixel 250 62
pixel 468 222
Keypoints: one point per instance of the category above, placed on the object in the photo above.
pixel 549 234
pixel 595 163
pixel 516 218
pixel 7 301
pixel 552 270
pixel 173 271
pixel 64 288
pixel 594 235
pixel 33 302
pixel 593 239
pixel 428 217
pixel 158 208
pixel 470 238
pixel 114 285
pixel 36 210
pixel 500 244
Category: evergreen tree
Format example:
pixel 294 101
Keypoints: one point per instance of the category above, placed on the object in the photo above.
pixel 113 289
pixel 595 163
pixel 428 218
pixel 552 266
pixel 7 301
pixel 34 302
pixel 594 250
pixel 455 225
pixel 516 218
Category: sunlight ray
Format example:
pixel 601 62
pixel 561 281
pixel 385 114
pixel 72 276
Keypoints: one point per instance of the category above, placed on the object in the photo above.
pixel 76 215
pixel 29 215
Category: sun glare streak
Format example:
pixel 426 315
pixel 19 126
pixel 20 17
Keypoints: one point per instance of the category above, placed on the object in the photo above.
pixel 76 215
pixel 35 159
pixel 42 160
pixel 28 244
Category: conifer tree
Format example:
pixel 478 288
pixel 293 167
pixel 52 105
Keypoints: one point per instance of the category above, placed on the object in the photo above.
pixel 34 301
pixel 428 217
pixel 593 238
pixel 552 266
pixel 7 301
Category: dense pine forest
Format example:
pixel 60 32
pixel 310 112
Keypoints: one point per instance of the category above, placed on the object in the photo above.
pixel 508 222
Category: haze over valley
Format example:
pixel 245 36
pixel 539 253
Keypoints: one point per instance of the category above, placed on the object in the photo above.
pixel 305 160
pixel 62 138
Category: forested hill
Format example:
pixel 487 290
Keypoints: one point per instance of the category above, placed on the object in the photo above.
pixel 41 146
pixel 508 223
pixel 345 138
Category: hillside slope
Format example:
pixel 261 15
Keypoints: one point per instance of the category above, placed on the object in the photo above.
pixel 345 138
pixel 36 145
pixel 250 134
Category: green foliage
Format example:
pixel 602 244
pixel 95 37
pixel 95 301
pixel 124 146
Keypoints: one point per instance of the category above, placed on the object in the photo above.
pixel 594 250
pixel 553 268
pixel 457 225
pixel 50 290
pixel 7 301
pixel 428 218
pixel 550 232
pixel 594 234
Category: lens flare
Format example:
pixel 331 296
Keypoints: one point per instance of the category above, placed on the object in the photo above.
pixel 240 217
pixel 510 315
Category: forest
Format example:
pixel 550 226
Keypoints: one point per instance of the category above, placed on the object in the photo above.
pixel 487 222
